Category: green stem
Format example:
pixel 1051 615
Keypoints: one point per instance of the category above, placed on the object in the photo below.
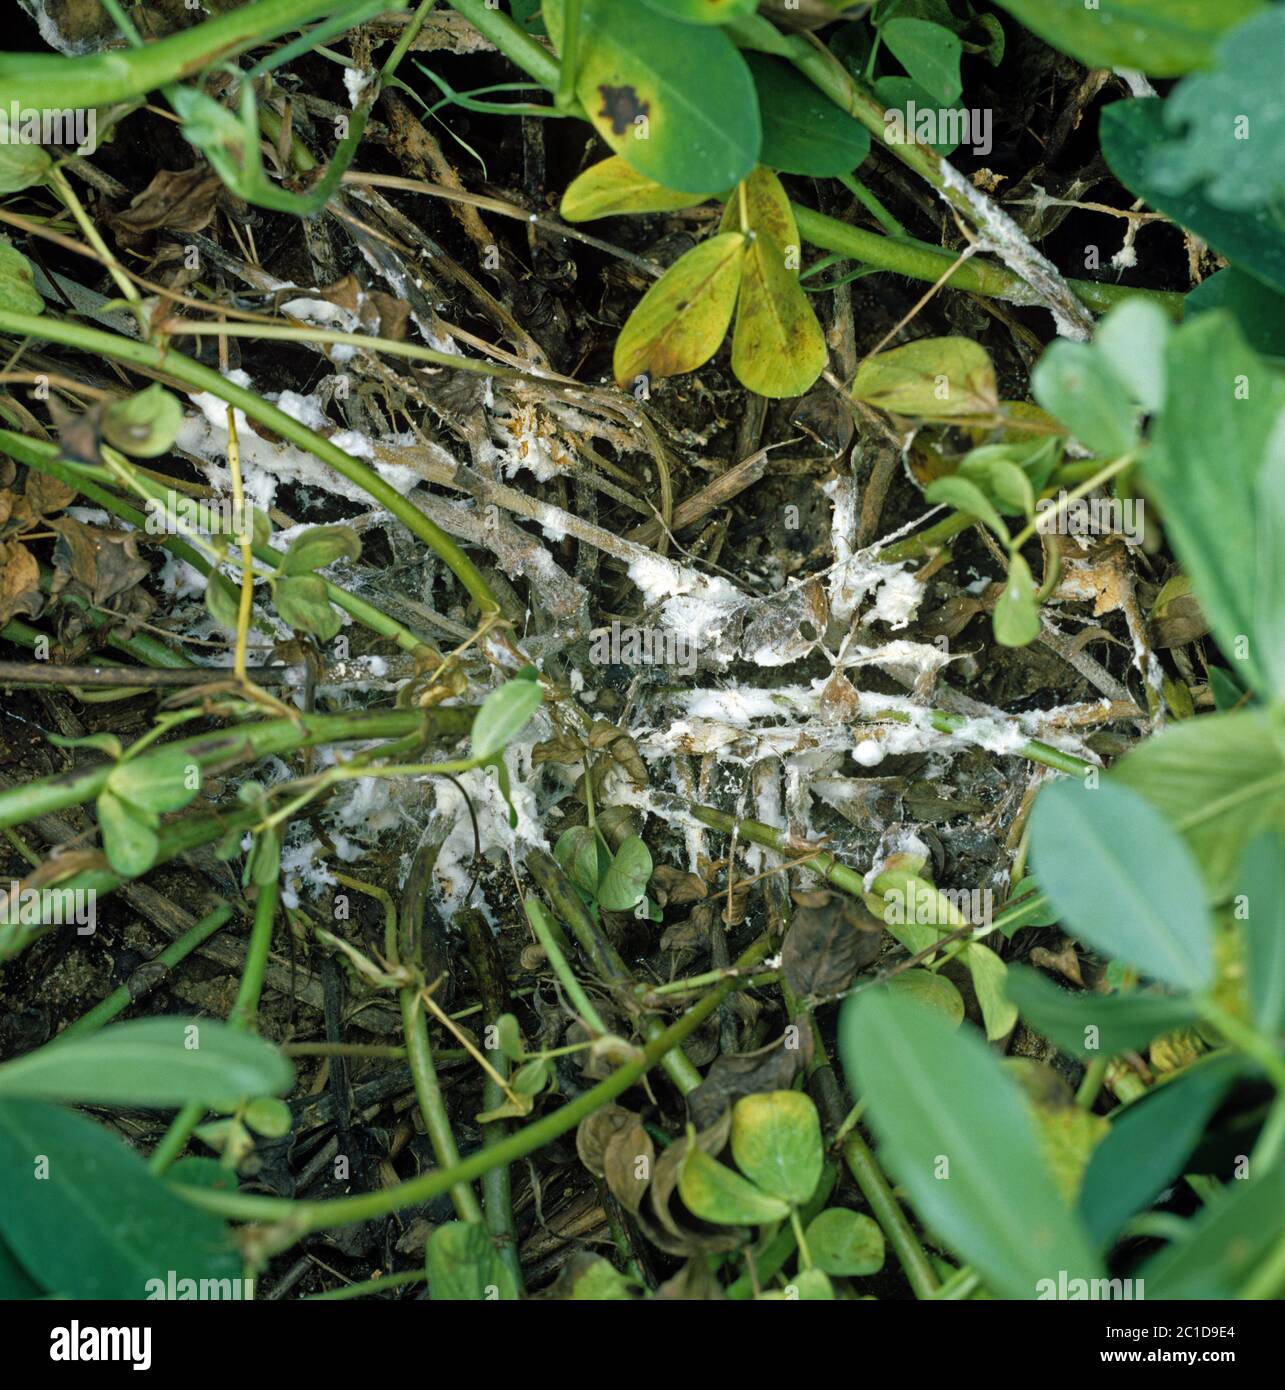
pixel 50 80
pixel 888 1213
pixel 118 348
pixel 428 1092
pixel 302 1217
pixel 245 1011
pixel 178 950
pixel 386 1281
pixel 565 96
pixel 248 743
pixel 872 205
pixel 543 928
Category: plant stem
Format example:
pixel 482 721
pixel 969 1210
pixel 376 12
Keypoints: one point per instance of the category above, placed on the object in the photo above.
pixel 178 950
pixel 888 1213
pixel 428 1092
pixel 249 742
pixel 122 349
pixel 301 1217
pixel 540 924
pixel 44 457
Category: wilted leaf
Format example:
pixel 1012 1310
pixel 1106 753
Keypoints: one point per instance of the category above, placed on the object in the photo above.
pixel 712 1191
pixel 827 945
pixel 936 378
pixel 776 1141
pixel 734 1076
pixel 183 201
pixel 301 602
pixel 19 582
pixel 679 323
pixel 628 1161
pixel 320 546
pixel 613 187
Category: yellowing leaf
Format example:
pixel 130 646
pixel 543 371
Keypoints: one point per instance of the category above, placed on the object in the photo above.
pixel 937 378
pixel 778 348
pixel 612 186
pixel 760 204
pixel 679 323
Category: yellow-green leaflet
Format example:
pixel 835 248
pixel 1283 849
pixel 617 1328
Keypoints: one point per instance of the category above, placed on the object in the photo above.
pixel 682 319
pixel 613 186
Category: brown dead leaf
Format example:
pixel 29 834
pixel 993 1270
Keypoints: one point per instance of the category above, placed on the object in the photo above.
pixel 19 582
pixel 628 1162
pixel 180 200
pixel 827 945
pixel 104 563
pixel 736 1075
pixel 595 1132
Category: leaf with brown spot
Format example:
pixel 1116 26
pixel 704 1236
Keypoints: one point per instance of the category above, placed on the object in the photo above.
pixel 679 323
pixel 827 945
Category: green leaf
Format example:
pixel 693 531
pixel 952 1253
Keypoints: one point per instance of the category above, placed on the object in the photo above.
pixel 845 1243
pixel 957 1134
pixel 702 11
pixel 1096 1025
pixel 269 1116
pixel 675 100
pixel 1219 780
pixel 1223 404
pixel 1132 340
pixel 804 132
pixel 91 1221
pixel 1259 311
pixel 1003 481
pixel 1162 37
pixel 464 1266
pixel 582 857
pixel 504 713
pixel 1077 384
pixel 776 1142
pixel 1130 133
pixel 1227 1242
pixel 159 1062
pixel 990 975
pixel 965 496
pixel 320 546
pixel 624 883
pixel 163 779
pixel 1260 901
pixel 679 323
pixel 613 186
pixel 807 1286
pixel 22 165
pixel 129 835
pixel 104 743
pixel 144 425
pixel 1122 880
pixel 18 293
pixel 1148 1144
pixel 715 1193
pixel 221 600
pixel 302 603
pixel 912 117
pixel 1235 121
pixel 937 378
pixel 930 54
pixel 930 990
pixel 778 348
pixel 15 1283
pixel 1017 613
